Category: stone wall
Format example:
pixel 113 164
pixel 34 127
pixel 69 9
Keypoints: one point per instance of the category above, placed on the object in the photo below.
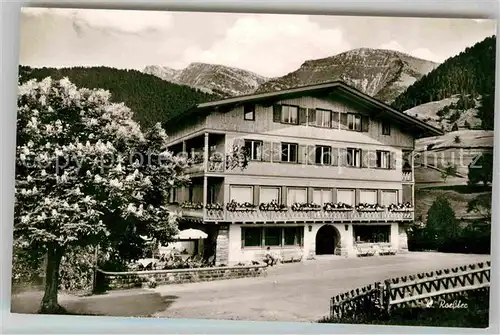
pixel 125 280
pixel 222 246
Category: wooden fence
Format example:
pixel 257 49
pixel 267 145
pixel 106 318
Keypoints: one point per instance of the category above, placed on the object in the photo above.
pixel 411 291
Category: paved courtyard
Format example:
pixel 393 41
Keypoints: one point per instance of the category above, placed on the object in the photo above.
pixel 290 292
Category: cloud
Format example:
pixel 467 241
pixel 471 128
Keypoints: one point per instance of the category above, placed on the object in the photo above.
pixel 270 45
pixel 422 53
pixel 124 21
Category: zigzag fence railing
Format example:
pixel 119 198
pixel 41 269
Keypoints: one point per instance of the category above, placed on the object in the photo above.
pixel 411 291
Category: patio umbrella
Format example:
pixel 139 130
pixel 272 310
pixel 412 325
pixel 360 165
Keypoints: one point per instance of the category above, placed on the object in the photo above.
pixel 190 234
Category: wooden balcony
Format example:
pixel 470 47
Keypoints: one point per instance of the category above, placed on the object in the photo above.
pixel 256 215
pixel 407 176
pixel 213 167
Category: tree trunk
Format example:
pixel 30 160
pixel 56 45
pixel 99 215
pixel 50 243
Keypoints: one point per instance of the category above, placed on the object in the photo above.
pixel 50 304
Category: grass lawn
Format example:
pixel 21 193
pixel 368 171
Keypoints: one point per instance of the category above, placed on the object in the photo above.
pixel 476 315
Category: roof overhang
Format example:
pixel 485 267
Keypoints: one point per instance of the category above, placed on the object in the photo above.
pixel 336 88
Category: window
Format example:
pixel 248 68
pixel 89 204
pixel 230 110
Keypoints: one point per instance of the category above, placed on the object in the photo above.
pixel 241 194
pixel 354 122
pixel 345 196
pixel 190 193
pixel 323 118
pixel 249 112
pixel 174 194
pixel 389 197
pixel 323 155
pixel 293 235
pixel 289 152
pixel 268 194
pixel 252 237
pixel 321 197
pixel 383 158
pixel 353 157
pixel 211 195
pixel 272 236
pixel 372 234
pixel 296 195
pixel 386 128
pixel 254 149
pixel 368 197
pixel 289 114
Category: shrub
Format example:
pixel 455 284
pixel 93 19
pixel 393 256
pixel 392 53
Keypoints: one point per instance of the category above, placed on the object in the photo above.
pixel 457 139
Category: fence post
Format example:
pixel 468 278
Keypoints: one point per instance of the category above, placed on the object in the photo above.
pixel 387 296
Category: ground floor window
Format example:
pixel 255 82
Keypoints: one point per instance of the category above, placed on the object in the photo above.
pixel 372 234
pixel 271 236
pixel 252 237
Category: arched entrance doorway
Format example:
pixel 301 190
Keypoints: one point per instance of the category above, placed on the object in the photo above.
pixel 327 238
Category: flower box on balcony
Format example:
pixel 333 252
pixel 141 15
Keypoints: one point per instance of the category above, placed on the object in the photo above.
pixel 406 207
pixel 272 207
pixel 191 205
pixel 241 209
pixel 308 207
pixel 214 207
pixel 233 206
pixel 337 207
pixel 370 208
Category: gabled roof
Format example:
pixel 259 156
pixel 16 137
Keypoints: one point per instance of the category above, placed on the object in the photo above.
pixel 339 87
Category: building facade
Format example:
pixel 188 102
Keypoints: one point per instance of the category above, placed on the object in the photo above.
pixel 330 171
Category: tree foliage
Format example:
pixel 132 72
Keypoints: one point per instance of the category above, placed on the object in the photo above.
pixel 441 221
pixel 481 169
pixel 151 98
pixel 81 179
pixel 470 73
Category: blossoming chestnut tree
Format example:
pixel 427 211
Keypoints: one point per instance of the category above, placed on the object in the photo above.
pixel 85 171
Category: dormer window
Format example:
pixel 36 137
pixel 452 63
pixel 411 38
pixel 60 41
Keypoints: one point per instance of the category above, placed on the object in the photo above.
pixel 249 112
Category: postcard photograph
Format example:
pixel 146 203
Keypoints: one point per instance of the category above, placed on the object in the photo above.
pixel 256 167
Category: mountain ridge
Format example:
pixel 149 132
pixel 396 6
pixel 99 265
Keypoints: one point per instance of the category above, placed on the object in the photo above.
pixel 210 78
pixel 381 73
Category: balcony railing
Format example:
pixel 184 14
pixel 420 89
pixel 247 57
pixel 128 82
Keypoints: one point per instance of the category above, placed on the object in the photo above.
pixel 256 215
pixel 407 176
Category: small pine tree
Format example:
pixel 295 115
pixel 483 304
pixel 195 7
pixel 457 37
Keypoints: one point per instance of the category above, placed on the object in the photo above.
pixel 442 224
pixel 467 125
pixel 455 127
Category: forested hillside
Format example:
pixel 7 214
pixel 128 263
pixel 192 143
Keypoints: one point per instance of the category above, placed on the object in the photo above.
pixel 470 73
pixel 150 98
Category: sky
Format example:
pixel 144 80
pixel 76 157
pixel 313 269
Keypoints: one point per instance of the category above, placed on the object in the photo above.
pixel 268 44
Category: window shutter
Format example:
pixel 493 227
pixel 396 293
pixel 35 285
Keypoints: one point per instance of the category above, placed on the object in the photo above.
pixel 311 154
pixel 266 151
pixel 365 123
pixel 302 154
pixel 311 113
pixel 302 115
pixel 276 113
pixel 343 121
pixel 276 152
pixel 335 120
pixel 392 162
pixel 256 193
pixel 335 156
